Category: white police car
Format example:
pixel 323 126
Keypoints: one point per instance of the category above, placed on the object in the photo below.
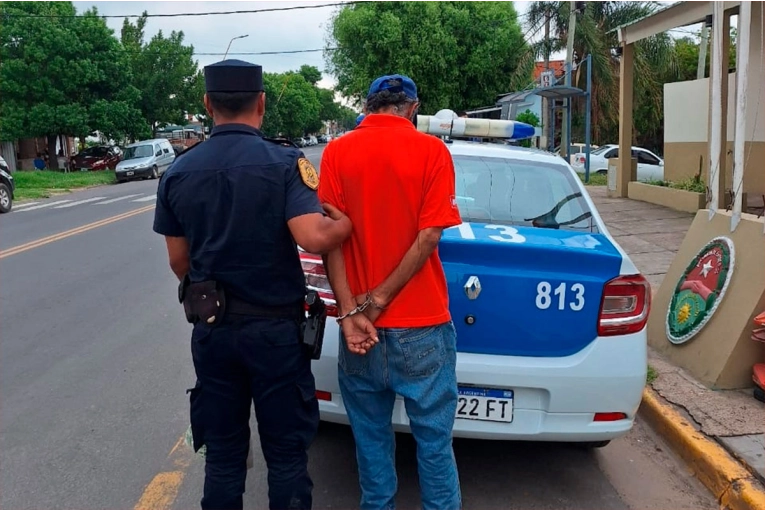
pixel 550 312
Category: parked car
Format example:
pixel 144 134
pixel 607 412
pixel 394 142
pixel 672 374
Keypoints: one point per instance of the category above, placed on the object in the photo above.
pixel 300 142
pixel 550 311
pixel 7 187
pixel 312 140
pixel 102 157
pixel 145 160
pixel 577 148
pixel 650 166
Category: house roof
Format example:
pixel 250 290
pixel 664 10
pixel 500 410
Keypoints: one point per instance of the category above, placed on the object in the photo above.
pixel 558 66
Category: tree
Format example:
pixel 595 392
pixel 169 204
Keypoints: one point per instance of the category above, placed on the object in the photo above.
pixel 460 54
pixel 346 118
pixel 654 62
pixel 195 99
pixel 60 73
pixel 530 118
pixel 311 74
pixel 687 50
pixel 292 105
pixel 330 110
pixel 163 70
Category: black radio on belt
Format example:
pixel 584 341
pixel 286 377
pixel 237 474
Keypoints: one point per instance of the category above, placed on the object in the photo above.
pixel 313 330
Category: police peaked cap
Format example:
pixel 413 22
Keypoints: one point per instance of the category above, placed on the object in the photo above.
pixel 233 76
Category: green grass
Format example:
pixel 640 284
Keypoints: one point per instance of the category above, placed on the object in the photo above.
pixel 595 179
pixel 46 183
pixel 652 375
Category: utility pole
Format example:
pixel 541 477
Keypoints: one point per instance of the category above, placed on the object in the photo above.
pixel 543 142
pixel 569 68
pixel 703 45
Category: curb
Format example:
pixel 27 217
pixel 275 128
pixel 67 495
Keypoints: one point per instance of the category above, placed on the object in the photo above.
pixel 733 486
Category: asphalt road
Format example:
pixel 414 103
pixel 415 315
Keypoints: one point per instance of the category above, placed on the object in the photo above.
pixel 95 361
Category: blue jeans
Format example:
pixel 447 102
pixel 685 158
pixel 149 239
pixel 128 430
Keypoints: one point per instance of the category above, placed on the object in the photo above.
pixel 420 365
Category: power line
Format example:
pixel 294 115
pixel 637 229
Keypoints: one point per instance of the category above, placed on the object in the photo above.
pixel 283 52
pixel 183 14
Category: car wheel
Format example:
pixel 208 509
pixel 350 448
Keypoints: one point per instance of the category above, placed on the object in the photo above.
pixel 154 173
pixel 5 198
pixel 602 171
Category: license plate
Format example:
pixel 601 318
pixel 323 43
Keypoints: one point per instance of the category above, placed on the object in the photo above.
pixel 130 173
pixel 485 404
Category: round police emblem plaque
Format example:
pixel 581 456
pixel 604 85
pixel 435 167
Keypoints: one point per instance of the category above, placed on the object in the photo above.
pixel 700 290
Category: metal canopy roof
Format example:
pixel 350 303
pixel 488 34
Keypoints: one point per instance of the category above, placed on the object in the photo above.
pixel 560 92
pixel 554 92
pixel 516 97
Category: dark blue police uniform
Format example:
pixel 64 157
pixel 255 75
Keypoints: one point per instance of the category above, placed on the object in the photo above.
pixel 231 198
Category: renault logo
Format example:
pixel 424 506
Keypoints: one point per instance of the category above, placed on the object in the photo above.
pixel 473 287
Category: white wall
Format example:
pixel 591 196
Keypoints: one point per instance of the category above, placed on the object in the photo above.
pixel 687 103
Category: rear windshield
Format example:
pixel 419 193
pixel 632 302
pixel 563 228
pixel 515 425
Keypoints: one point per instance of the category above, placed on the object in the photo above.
pixel 95 151
pixel 514 192
pixel 601 150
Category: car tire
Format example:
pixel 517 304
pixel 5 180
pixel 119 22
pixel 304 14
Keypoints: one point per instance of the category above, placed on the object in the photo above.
pixel 154 173
pixel 6 202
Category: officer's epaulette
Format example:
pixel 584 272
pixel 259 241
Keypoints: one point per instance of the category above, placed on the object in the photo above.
pixel 281 141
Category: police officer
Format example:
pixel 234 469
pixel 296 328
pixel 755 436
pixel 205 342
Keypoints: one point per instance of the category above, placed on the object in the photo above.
pixel 232 209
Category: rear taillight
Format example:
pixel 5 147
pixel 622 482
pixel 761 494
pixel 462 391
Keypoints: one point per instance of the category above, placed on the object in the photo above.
pixel 316 279
pixel 323 395
pixel 609 417
pixel 625 306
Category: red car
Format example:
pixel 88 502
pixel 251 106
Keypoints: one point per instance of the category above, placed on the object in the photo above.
pixel 97 158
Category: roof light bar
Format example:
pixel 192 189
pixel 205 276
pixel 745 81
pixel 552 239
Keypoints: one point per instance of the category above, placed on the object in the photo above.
pixel 446 123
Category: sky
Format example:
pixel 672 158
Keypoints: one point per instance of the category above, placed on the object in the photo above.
pixel 266 32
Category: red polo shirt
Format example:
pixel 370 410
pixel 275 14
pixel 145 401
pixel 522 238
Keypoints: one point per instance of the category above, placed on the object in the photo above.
pixel 392 181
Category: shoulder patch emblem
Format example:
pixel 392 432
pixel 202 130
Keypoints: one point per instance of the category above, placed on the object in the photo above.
pixel 308 174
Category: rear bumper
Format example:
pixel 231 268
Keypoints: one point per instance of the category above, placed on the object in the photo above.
pixel 555 399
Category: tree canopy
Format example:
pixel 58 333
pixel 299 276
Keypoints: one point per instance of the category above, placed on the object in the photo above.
pixel 296 105
pixel 460 54
pixel 164 70
pixel 655 63
pixel 62 75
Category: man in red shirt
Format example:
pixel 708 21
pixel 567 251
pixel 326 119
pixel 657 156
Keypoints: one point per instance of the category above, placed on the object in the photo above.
pixel 397 186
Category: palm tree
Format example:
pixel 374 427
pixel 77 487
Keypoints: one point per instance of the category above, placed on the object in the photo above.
pixel 654 59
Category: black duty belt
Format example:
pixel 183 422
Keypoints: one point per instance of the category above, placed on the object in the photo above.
pixel 236 306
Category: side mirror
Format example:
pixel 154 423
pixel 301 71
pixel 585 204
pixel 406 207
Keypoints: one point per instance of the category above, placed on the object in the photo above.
pixel 159 153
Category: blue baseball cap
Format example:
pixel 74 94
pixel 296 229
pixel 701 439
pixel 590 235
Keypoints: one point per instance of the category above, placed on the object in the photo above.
pixel 360 118
pixel 394 83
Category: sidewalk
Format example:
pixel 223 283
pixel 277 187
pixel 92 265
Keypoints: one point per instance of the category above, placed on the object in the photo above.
pixel 652 235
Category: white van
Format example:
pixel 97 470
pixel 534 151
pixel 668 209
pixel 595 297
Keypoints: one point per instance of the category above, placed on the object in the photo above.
pixel 147 159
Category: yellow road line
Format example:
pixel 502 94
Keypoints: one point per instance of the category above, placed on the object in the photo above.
pixel 162 490
pixel 79 230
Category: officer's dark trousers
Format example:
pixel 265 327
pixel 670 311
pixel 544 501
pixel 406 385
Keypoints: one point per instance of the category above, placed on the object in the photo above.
pixel 243 360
